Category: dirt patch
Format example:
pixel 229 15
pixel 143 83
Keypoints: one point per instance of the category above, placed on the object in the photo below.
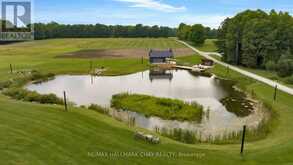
pixel 120 53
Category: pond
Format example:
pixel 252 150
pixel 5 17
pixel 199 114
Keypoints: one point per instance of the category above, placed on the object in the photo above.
pixel 218 97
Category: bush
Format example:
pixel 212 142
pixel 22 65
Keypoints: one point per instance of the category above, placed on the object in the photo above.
pixel 50 99
pixel 97 108
pixel 289 80
pixel 5 84
pixel 285 67
pixel 35 75
pixel 271 65
pixel 22 94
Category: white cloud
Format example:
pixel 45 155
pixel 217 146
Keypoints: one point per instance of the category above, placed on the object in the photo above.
pixel 154 4
pixel 213 21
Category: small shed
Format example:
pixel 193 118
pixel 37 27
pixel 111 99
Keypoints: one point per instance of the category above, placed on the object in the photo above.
pixel 207 62
pixel 160 56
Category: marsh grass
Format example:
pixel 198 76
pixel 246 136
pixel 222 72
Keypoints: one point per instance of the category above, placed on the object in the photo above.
pixel 13 88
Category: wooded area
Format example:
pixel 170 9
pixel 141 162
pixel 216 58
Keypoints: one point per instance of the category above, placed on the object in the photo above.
pixel 259 40
pixel 55 30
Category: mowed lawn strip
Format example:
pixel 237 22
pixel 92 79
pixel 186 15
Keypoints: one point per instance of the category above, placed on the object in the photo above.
pixel 164 108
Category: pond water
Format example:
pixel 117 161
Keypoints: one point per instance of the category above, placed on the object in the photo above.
pixel 217 121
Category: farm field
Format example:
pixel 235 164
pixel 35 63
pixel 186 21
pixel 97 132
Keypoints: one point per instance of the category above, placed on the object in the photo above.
pixel 41 55
pixel 44 134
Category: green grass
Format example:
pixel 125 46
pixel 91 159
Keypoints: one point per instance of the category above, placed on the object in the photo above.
pixel 170 109
pixel 40 55
pixel 269 74
pixel 208 46
pixel 44 134
pixel 188 60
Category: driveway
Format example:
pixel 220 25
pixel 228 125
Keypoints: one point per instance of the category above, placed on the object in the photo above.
pixel 244 72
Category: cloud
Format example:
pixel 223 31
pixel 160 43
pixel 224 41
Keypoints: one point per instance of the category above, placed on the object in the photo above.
pixel 154 4
pixel 213 21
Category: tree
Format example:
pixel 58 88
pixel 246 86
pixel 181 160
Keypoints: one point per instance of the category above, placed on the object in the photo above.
pixel 197 34
pixel 55 30
pixel 256 38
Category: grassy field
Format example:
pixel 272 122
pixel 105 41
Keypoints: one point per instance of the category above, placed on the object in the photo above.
pixel 269 74
pixel 41 55
pixel 44 134
pixel 164 108
pixel 208 46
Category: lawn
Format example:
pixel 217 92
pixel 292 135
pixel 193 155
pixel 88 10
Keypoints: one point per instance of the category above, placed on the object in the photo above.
pixel 170 109
pixel 208 46
pixel 269 74
pixel 44 134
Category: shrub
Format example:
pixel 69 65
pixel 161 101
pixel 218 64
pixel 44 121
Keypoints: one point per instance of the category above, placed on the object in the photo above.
pixel 50 99
pixel 32 96
pixel 289 80
pixel 5 84
pixel 35 75
pixel 271 65
pixel 22 94
pixel 97 108
pixel 285 67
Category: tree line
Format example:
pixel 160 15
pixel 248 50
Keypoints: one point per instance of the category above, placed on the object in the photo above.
pixel 259 40
pixel 55 30
pixel 196 33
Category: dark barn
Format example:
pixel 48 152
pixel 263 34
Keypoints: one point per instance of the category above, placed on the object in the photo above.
pixel 160 56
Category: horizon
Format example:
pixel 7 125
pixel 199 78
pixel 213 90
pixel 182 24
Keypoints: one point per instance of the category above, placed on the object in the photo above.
pixel 149 12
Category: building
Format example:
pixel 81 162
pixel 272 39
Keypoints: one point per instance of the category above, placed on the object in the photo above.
pixel 160 56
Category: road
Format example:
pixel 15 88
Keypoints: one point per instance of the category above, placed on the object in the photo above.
pixel 244 72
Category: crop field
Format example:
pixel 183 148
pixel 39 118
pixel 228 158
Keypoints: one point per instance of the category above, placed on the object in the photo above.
pixel 32 133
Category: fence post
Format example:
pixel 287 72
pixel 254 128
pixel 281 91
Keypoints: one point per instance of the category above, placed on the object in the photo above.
pixel 11 70
pixel 275 93
pixel 228 69
pixel 91 66
pixel 65 101
pixel 243 139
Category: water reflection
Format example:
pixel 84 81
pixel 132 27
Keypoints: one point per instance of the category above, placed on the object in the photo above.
pixel 159 74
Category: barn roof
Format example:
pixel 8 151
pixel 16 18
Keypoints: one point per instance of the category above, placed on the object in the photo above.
pixel 161 53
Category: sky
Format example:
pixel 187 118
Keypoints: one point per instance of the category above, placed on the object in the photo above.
pixel 149 12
